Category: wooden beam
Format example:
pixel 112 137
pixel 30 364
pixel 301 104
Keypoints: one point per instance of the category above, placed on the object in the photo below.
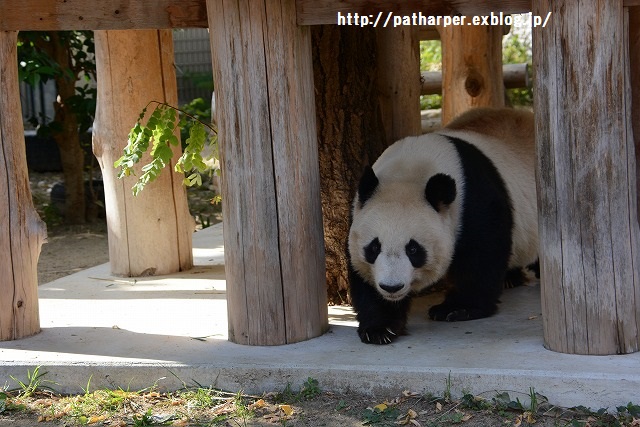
pixel 54 15
pixel 586 181
pixel 514 76
pixel 315 12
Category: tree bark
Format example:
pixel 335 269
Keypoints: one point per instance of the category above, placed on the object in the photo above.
pixel 21 230
pixel 350 133
pixel 151 233
pixel 67 138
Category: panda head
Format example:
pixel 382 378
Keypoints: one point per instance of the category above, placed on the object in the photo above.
pixel 403 233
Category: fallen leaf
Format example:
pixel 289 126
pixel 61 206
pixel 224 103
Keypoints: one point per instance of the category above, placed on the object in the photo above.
pixel 528 417
pixel 96 419
pixel 381 407
pixel 438 406
pixel 287 409
pixel 407 393
pixel 258 404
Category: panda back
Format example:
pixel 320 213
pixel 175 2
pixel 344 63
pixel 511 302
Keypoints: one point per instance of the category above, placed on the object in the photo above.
pixel 508 142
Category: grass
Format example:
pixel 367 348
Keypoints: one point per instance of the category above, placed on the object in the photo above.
pixel 308 405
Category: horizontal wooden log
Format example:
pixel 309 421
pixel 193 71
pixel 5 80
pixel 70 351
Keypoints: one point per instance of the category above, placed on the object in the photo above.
pixel 317 12
pixel 514 76
pixel 54 15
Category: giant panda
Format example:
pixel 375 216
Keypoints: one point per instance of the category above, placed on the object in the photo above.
pixel 456 206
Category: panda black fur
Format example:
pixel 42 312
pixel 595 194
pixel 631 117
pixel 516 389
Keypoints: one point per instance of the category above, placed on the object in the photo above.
pixel 458 205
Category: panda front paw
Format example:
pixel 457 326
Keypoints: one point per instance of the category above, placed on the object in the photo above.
pixel 377 335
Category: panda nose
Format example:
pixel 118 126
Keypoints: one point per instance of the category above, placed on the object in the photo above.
pixel 392 289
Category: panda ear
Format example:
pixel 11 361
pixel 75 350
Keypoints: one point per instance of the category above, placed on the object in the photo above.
pixel 368 184
pixel 440 191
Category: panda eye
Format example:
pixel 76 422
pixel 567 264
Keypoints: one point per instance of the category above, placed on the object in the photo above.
pixel 372 250
pixel 416 253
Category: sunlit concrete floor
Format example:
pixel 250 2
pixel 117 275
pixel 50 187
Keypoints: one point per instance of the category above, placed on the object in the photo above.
pixel 171 331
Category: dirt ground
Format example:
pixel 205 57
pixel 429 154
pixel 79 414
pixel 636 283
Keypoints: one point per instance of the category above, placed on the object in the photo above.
pixel 73 248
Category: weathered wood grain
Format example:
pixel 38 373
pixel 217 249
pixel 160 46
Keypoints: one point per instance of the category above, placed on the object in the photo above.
pixel 634 67
pixel 44 15
pixel 274 257
pixel 21 230
pixel 149 234
pixel 398 68
pixel 314 12
pixel 53 15
pixel 471 69
pixel 586 179
pixel 513 76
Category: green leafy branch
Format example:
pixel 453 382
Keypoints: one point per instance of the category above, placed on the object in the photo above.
pixel 159 134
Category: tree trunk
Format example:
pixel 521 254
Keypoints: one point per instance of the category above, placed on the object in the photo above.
pixel 350 133
pixel 587 179
pixel 471 69
pixel 67 138
pixel 21 230
pixel 151 233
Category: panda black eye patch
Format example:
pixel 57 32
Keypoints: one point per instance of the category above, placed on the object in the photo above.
pixel 416 253
pixel 372 250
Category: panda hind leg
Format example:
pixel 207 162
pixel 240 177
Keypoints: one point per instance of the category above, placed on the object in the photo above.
pixel 456 308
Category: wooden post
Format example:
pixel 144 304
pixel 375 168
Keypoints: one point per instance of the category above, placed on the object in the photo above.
pixel 633 29
pixel 274 254
pixel 398 66
pixel 21 230
pixel 149 234
pixel 471 69
pixel 586 179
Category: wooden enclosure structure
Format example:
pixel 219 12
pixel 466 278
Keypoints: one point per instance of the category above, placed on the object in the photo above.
pixel 273 230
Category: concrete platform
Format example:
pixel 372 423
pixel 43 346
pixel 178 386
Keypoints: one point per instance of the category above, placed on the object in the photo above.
pixel 172 331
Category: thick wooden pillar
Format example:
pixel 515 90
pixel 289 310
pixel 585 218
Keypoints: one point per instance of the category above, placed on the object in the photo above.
pixel 586 179
pixel 21 230
pixel 633 30
pixel 274 253
pixel 149 234
pixel 398 67
pixel 471 69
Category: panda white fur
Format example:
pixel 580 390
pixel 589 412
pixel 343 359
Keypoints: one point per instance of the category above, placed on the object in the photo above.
pixel 457 205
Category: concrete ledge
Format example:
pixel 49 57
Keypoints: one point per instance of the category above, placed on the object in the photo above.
pixel 172 330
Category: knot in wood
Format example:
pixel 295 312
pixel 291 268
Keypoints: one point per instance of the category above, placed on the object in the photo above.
pixel 474 83
pixel 19 303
